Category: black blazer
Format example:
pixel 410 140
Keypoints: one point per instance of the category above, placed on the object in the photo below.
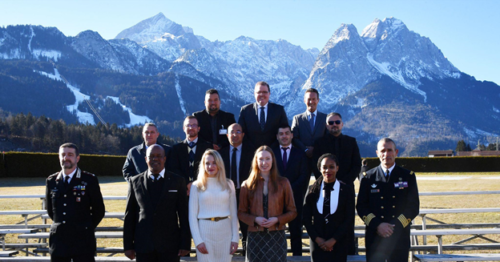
pixel 178 162
pixel 165 228
pixel 135 162
pixel 249 122
pixel 296 169
pixel 348 156
pixel 224 120
pixel 247 153
pixel 302 134
pixel 339 225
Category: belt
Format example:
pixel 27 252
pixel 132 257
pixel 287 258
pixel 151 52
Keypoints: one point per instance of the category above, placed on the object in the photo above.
pixel 216 219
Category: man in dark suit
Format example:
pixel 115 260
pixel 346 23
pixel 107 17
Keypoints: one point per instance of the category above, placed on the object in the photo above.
pixel 135 162
pixel 185 156
pixel 310 125
pixel 345 148
pixel 75 205
pixel 214 122
pixel 260 120
pixel 387 232
pixel 292 164
pixel 238 158
pixel 156 225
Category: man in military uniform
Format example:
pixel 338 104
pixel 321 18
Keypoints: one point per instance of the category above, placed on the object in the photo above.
pixel 75 205
pixel 387 203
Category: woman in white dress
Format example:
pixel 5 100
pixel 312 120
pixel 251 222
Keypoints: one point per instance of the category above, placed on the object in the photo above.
pixel 213 216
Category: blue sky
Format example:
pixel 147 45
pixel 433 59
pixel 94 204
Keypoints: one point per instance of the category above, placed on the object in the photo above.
pixel 467 32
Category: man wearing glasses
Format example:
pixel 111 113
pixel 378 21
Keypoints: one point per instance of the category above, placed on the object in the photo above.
pixel 345 148
pixel 260 120
pixel 186 156
pixel 238 158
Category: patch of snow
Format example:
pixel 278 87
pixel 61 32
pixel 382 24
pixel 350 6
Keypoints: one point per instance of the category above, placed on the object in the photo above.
pixel 134 119
pixel 484 133
pixel 14 54
pixel 496 110
pixel 83 117
pixel 31 38
pixel 49 54
pixel 470 133
pixel 178 90
pixel 385 68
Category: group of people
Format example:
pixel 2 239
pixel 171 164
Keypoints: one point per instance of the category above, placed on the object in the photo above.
pixel 251 177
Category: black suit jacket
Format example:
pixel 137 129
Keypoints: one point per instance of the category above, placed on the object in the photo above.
pixel 348 156
pixel 164 228
pixel 296 170
pixel 136 160
pixel 224 120
pixel 75 210
pixel 340 224
pixel 249 122
pixel 399 196
pixel 247 154
pixel 302 134
pixel 178 162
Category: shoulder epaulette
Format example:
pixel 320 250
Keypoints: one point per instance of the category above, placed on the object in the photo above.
pixel 87 173
pixel 412 173
pixel 53 175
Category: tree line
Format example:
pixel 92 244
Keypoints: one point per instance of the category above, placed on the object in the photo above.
pixel 462 146
pixel 42 134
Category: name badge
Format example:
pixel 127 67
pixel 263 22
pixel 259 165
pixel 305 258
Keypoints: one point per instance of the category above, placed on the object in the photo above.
pixel 375 191
pixel 172 190
pixel 222 131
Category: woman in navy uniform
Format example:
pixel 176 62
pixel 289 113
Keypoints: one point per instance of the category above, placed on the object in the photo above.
pixel 328 213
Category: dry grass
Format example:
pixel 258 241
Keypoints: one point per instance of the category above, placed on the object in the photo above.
pixel 116 186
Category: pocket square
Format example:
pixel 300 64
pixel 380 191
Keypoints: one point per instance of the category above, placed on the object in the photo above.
pixel 172 190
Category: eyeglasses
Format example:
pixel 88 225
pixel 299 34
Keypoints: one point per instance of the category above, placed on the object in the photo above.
pixel 236 132
pixel 192 126
pixel 337 122
pixel 262 92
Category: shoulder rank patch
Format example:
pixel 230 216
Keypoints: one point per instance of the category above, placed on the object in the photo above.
pixel 412 173
pixel 87 173
pixel 53 175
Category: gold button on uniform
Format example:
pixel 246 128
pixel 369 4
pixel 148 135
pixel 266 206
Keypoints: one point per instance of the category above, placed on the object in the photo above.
pixel 393 206
pixel 381 197
pixel 393 196
pixel 382 217
pixel 64 213
pixel 382 207
pixel 64 195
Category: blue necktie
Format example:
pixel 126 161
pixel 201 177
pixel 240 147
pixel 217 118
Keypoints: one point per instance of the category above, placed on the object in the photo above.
pixel 311 122
pixel 285 157
pixel 262 118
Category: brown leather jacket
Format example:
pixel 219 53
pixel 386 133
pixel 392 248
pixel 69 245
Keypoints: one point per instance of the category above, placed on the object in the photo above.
pixel 281 205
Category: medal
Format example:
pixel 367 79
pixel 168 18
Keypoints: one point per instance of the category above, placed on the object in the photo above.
pixel 78 199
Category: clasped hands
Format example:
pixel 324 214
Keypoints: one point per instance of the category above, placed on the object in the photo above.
pixel 385 229
pixel 326 245
pixel 267 223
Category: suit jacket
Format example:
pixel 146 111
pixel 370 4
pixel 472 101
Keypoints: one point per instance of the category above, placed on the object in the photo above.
pixel 339 225
pixel 247 154
pixel 249 122
pixel 178 162
pixel 348 156
pixel 164 228
pixel 302 134
pixel 296 170
pixel 394 201
pixel 75 210
pixel 223 119
pixel 135 162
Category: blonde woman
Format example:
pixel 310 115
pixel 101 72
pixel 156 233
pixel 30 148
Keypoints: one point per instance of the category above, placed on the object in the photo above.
pixel 212 211
pixel 266 205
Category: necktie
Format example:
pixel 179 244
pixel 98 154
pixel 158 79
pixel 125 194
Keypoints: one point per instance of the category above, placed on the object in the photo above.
pixel 285 157
pixel 387 174
pixel 66 181
pixel 328 187
pixel 311 122
pixel 191 160
pixel 262 118
pixel 234 171
pixel 155 177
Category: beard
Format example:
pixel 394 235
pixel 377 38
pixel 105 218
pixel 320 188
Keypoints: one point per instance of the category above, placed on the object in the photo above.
pixel 67 165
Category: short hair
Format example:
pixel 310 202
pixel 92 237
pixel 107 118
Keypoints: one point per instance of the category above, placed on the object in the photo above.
pixel 334 114
pixel 387 140
pixel 212 91
pixel 262 83
pixel 235 124
pixel 146 125
pixel 150 148
pixel 312 90
pixel 71 145
pixel 283 126
pixel 190 117
pixel 327 156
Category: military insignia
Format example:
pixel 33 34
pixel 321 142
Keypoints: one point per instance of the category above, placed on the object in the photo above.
pixel 374 185
pixel 78 199
pixel 83 187
pixel 364 173
pixel 412 173
pixel 375 191
pixel 400 178
pixel 83 193
pixel 74 193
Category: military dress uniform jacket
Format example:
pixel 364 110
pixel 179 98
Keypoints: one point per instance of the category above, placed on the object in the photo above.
pixel 75 210
pixel 395 201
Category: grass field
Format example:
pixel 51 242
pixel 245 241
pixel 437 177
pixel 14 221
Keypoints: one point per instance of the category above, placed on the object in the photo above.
pixel 427 182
